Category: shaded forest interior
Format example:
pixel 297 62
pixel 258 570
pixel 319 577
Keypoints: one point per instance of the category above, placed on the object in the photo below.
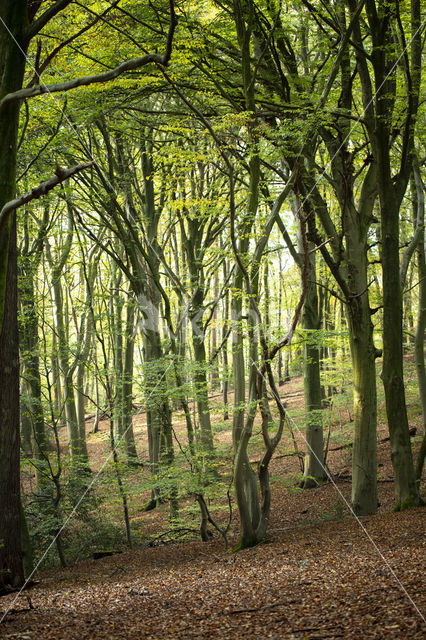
pixel 212 318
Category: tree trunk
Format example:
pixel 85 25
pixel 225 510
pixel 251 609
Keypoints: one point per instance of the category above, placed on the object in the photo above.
pixel 214 366
pixel 364 453
pixel 352 278
pixel 12 66
pixel 313 471
pixel 85 347
pixel 26 422
pixel 406 490
pixel 75 448
pixel 11 567
pixel 225 372
pixel 200 374
pixel 421 322
pixel 391 187
pixel 245 480
pixel 280 296
pixel 32 401
pixel 127 385
pixel 117 304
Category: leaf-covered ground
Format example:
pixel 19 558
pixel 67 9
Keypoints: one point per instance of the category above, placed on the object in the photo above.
pixel 333 580
pixel 321 574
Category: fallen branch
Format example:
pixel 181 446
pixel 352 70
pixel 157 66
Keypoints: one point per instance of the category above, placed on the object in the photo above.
pixel 174 532
pixel 293 454
pixel 10 612
pixel 262 608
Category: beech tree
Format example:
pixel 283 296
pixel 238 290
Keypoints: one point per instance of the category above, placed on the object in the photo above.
pixel 20 23
pixel 184 201
pixel 392 36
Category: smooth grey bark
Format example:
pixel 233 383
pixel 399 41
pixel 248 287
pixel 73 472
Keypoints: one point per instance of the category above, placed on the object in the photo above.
pixel 313 469
pixel 214 374
pixel 379 125
pixel 86 338
pixel 419 215
pixel 225 331
pixel 127 384
pixel 280 372
pixel 77 448
pixel 116 311
pixel 200 373
pixel 56 378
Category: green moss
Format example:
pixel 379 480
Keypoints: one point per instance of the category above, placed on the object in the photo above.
pixel 246 543
pixel 409 503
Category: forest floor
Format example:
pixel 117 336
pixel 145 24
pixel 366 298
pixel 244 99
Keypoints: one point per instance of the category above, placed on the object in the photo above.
pixel 322 573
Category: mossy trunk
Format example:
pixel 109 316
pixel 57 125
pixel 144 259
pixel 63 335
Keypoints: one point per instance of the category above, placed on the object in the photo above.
pixel 406 490
pixel 363 354
pixel 364 453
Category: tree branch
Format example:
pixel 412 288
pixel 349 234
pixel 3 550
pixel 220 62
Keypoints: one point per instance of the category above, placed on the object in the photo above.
pixel 127 65
pixel 36 26
pixel 36 77
pixel 340 54
pixel 41 190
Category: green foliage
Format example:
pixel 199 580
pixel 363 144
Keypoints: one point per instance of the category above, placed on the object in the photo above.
pixel 158 205
pixel 93 534
pixel 335 512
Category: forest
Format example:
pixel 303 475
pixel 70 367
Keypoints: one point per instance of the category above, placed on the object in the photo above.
pixel 212 319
